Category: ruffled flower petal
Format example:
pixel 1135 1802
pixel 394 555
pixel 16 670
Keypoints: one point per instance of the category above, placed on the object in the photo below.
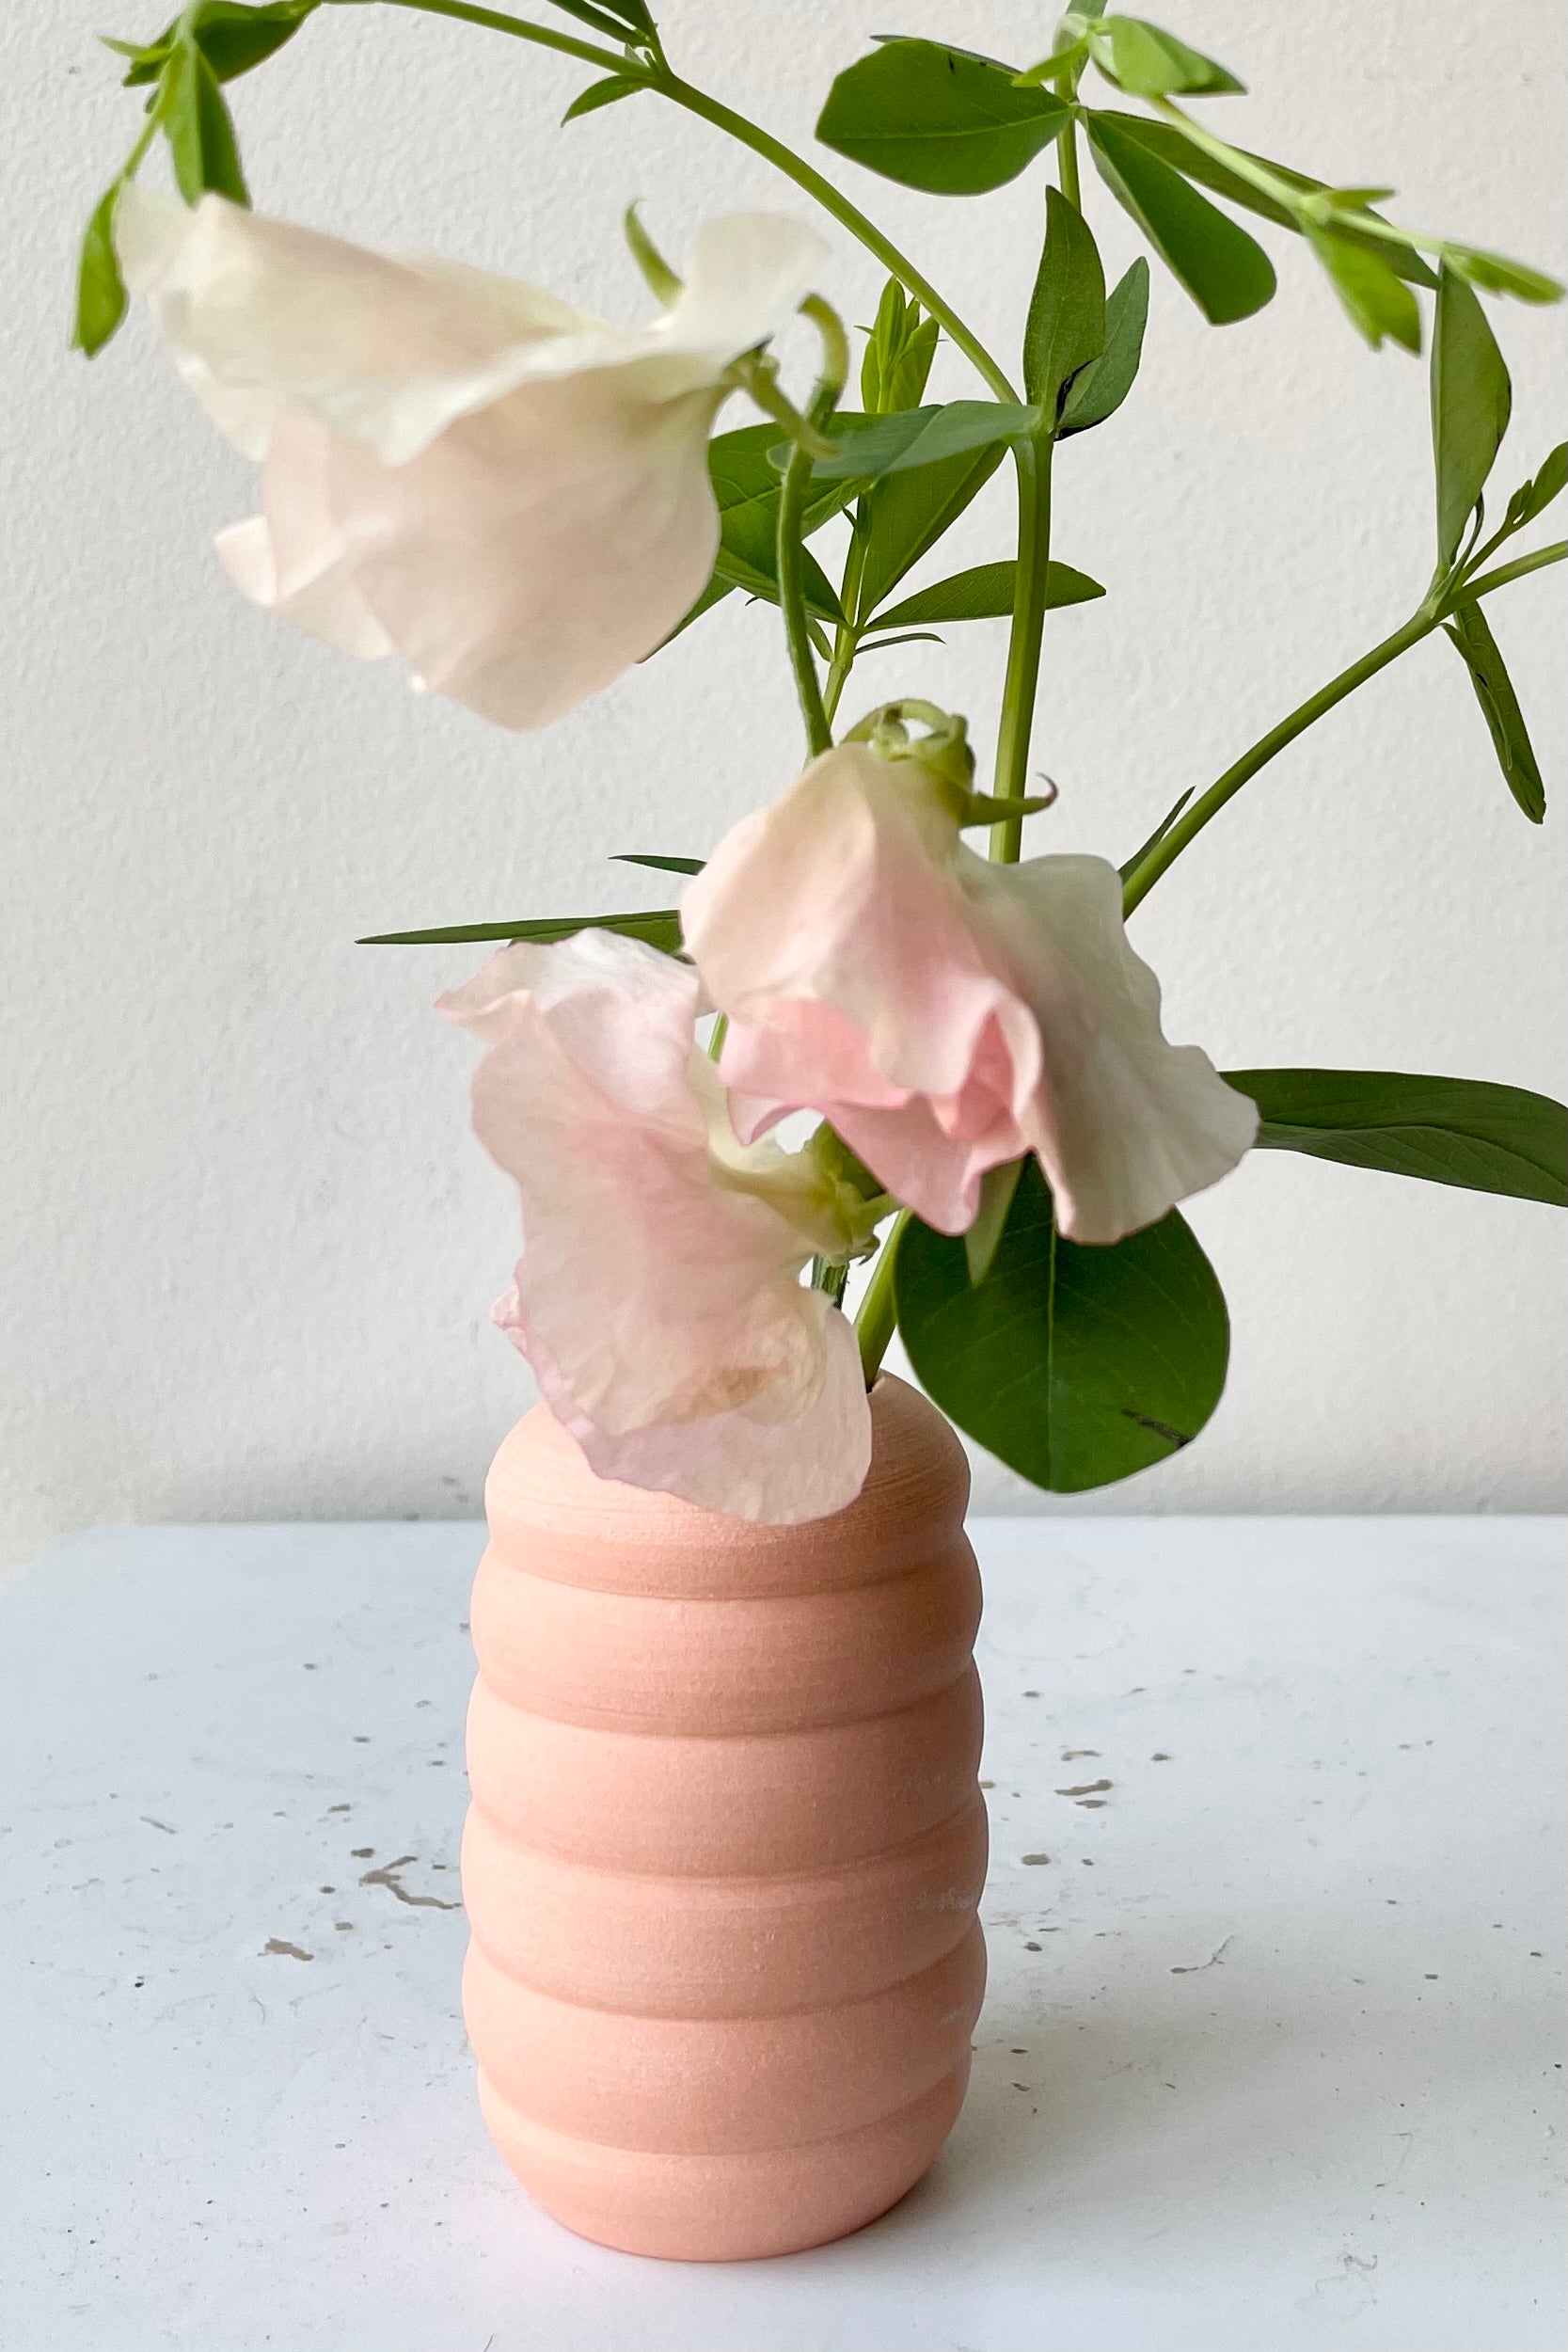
pixel 510 494
pixel 658 1295
pixel 947 1014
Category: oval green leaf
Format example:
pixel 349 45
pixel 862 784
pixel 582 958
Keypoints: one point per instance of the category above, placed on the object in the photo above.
pixel 1104 383
pixel 937 118
pixel 1470 633
pixel 1065 326
pixel 1227 273
pixel 1076 1367
pixel 1446 1131
pixel 1471 401
pixel 986 593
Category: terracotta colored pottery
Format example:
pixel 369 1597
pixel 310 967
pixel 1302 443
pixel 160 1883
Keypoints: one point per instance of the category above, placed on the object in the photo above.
pixel 726 1845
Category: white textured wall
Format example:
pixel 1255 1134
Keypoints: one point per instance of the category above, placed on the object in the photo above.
pixel 249 1242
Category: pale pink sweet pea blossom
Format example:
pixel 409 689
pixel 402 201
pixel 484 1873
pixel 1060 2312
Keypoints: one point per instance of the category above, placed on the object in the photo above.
pixel 457 467
pixel 947 1014
pixel 658 1295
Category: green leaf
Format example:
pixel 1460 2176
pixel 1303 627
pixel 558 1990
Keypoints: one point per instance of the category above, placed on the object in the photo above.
pixel 986 593
pixel 1102 387
pixel 661 930
pixel 1532 498
pixel 200 134
pixel 1066 327
pixel 231 37
pixel 904 516
pixel 597 94
pixel 984 1238
pixel 1173 147
pixel 660 865
pixel 1146 62
pixel 747 488
pixel 1375 298
pixel 100 296
pixel 1471 397
pixel 1470 631
pixel 1155 838
pixel 1227 273
pixel 937 118
pixel 1076 1366
pixel 917 436
pixel 632 14
pixel 1448 1130
pixel 1496 273
pixel 614 18
pixel 898 354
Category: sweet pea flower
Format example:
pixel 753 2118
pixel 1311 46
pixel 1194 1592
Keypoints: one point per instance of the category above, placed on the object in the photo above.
pixel 658 1295
pixel 457 468
pixel 947 1014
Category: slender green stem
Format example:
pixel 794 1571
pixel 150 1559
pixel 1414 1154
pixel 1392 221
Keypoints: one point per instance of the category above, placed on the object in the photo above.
pixel 1209 803
pixel 847 636
pixel 543 35
pixel 849 215
pixel 873 1324
pixel 1066 164
pixel 1466 591
pixel 1032 460
pixel 792 602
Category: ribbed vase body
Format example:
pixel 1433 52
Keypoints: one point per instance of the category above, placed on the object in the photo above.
pixel 726 1845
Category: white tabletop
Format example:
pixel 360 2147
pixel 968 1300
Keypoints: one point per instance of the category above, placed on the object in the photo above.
pixel 1268 2062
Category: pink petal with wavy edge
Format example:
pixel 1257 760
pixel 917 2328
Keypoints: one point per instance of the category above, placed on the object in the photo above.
pixel 947 1014
pixel 659 1295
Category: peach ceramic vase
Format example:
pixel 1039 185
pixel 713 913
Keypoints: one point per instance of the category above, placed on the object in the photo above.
pixel 726 1845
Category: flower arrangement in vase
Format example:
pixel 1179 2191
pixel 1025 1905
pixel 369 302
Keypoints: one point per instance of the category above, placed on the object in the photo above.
pixel 725 1861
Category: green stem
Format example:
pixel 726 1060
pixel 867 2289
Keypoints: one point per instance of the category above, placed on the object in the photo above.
pixel 543 35
pixel 790 543
pixel 1467 590
pixel 833 201
pixel 873 1324
pixel 1066 164
pixel 1032 460
pixel 1142 879
pixel 792 590
pixel 846 635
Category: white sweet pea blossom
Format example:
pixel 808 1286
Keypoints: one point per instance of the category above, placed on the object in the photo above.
pixel 658 1295
pixel 457 467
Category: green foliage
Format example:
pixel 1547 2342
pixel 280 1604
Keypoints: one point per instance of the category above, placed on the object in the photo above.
pixel 1448 1130
pixel 606 93
pixel 201 133
pixel 876 446
pixel 937 118
pixel 1470 633
pixel 1146 62
pixel 1471 398
pixel 231 38
pixel 1532 498
pixel 747 488
pixel 660 930
pixel 1064 330
pixel 1076 1366
pixel 1155 838
pixel 660 865
pixel 1100 389
pixel 1376 299
pixel 100 297
pixel 986 593
pixel 1171 144
pixel 904 516
pixel 900 347
pixel 1226 273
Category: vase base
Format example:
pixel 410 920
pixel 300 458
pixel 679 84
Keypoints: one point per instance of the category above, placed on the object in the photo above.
pixel 732 2207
